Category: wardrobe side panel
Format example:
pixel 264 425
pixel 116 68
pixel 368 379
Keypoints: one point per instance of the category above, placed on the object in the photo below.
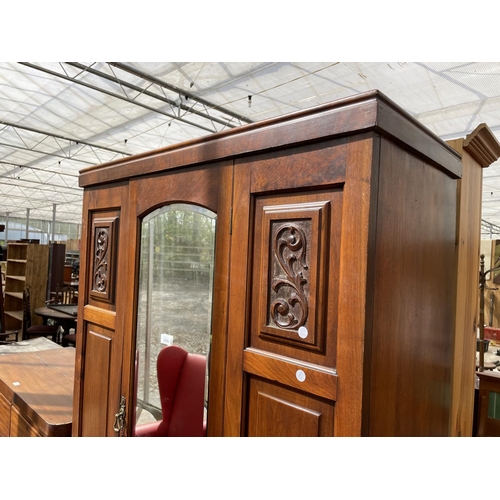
pixel 414 297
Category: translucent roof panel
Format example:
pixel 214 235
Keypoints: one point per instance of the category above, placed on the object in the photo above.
pixel 59 117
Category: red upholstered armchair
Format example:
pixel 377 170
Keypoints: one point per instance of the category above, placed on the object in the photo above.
pixel 181 383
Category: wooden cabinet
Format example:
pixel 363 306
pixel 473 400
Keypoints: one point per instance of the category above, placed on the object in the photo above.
pixel 36 393
pixel 56 269
pixel 4 417
pixel 27 267
pixel 334 287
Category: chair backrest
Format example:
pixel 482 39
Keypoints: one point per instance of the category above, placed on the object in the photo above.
pixel 68 295
pixel 56 297
pixel 181 383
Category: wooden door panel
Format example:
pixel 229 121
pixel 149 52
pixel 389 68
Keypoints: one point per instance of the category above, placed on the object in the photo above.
pixel 100 328
pixel 293 314
pixel 282 337
pixel 199 186
pixel 306 377
pixel 300 168
pixel 277 411
pixel 99 348
pixel 103 344
pixel 295 275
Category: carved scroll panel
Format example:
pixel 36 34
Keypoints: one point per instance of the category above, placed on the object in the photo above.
pixel 102 278
pixel 292 253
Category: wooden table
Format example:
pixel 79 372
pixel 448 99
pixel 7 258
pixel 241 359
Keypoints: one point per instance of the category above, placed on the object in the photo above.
pixel 67 321
pixel 34 344
pixel 36 393
pixel 47 312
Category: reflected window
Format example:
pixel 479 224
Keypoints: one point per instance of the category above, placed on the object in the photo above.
pixel 176 271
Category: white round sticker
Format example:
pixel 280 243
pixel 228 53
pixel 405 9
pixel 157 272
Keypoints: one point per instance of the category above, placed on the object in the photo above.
pixel 303 333
pixel 301 376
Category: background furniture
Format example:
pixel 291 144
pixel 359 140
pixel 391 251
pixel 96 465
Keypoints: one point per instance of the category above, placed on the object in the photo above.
pixel 489 404
pixel 5 336
pixel 69 340
pixel 181 380
pixel 63 295
pixel 36 393
pixel 27 266
pixel 479 149
pixel 63 317
pixel 30 330
pixel 334 293
pixel 57 256
pixel 68 273
pixel 36 344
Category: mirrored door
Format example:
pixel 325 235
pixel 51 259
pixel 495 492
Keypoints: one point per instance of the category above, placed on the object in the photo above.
pixel 176 270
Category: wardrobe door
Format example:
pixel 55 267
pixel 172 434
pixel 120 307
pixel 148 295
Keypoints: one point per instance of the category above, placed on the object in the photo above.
pixel 282 353
pixel 181 222
pixel 103 293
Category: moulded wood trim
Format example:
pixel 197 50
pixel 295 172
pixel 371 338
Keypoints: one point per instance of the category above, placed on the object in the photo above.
pixel 395 122
pixel 318 380
pixel 363 112
pixel 482 145
pixel 98 316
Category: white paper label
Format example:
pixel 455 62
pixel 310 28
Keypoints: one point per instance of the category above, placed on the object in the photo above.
pixel 167 339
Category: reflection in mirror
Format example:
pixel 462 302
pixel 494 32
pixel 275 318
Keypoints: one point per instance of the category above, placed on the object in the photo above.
pixel 174 309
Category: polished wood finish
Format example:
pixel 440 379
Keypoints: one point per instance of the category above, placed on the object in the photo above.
pixel 413 298
pixel 36 393
pixel 367 111
pixel 98 389
pixel 479 149
pixel 333 313
pixel 5 409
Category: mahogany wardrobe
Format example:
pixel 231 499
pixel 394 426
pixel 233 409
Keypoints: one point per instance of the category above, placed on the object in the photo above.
pixel 330 286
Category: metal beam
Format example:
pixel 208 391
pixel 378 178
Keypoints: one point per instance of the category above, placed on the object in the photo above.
pixel 117 96
pixel 76 141
pixel 172 88
pixel 489 228
pixel 44 170
pixel 60 151
pixel 141 91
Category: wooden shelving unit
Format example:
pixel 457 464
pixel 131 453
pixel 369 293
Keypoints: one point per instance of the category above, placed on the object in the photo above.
pixel 27 266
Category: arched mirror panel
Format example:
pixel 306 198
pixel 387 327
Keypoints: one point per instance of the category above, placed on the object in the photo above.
pixel 174 311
